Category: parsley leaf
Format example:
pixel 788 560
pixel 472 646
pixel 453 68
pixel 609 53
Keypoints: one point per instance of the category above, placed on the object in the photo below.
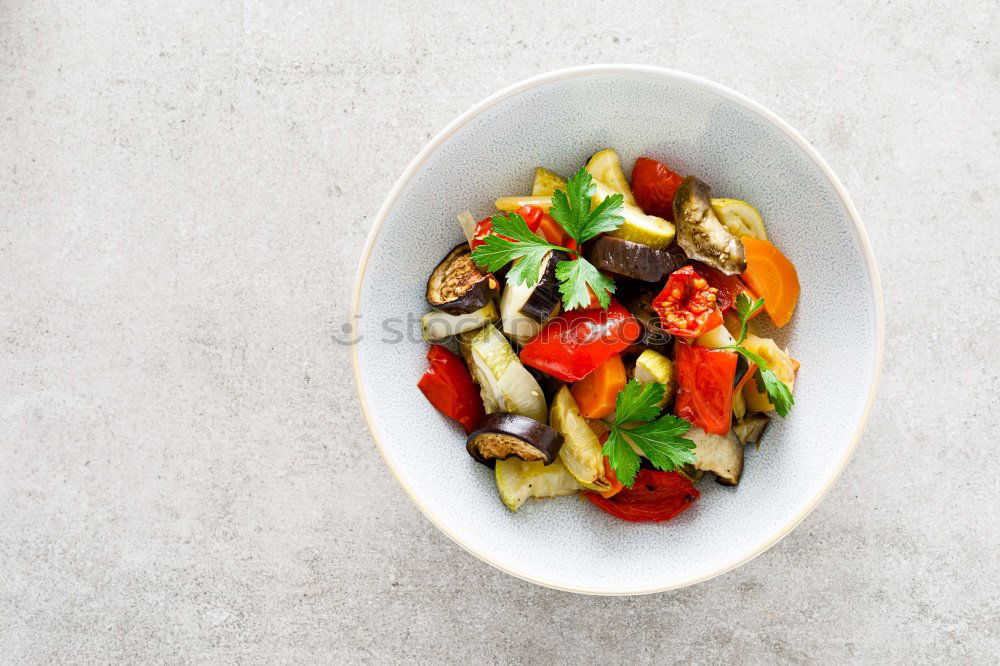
pixel 767 382
pixel 571 209
pixel 746 308
pixel 777 391
pixel 622 458
pixel 660 440
pixel 513 241
pixel 638 402
pixel 574 278
pixel 527 250
pixel 662 443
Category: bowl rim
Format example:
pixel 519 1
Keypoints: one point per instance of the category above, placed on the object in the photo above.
pixel 588 70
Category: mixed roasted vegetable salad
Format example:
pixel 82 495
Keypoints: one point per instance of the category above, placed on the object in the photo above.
pixel 606 338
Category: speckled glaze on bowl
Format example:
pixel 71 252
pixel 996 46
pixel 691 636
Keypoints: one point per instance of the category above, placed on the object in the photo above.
pixel 743 151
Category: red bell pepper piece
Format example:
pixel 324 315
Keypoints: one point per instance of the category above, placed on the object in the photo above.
pixel 553 232
pixel 448 386
pixel 573 344
pixel 654 497
pixel 705 386
pixel 532 216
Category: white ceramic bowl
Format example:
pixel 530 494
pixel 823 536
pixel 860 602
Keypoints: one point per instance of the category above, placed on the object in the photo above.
pixel 742 150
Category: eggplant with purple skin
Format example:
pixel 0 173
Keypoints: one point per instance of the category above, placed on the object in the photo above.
pixel 749 429
pixel 457 286
pixel 634 260
pixel 700 232
pixel 653 335
pixel 501 436
pixel 524 309
pixel 721 455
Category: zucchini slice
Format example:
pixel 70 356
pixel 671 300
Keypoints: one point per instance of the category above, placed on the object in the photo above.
pixel 652 366
pixel 740 218
pixel 438 325
pixel 605 167
pixel 546 183
pixel 510 204
pixel 502 436
pixel 456 285
pixel 581 450
pixel 638 227
pixel 517 481
pixel 520 393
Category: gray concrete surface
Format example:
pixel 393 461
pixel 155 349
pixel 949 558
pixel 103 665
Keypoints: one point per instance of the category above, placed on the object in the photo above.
pixel 185 188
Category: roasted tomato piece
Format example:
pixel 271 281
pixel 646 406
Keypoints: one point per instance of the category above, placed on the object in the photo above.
pixel 687 304
pixel 654 186
pixel 728 287
pixel 705 386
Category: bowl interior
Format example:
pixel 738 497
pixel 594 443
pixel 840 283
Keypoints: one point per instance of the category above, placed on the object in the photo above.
pixel 696 128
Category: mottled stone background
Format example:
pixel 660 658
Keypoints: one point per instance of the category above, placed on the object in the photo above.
pixel 185 188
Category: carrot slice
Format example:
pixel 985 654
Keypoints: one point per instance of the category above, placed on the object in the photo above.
pixel 772 276
pixel 596 393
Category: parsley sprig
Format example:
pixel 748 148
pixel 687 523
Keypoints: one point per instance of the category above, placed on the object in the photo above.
pixel 635 422
pixel 512 241
pixel 767 381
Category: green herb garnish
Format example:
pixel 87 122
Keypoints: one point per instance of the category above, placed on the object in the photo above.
pixel 635 422
pixel 767 382
pixel 572 210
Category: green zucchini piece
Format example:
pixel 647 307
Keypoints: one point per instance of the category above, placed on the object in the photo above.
pixel 605 167
pixel 652 366
pixel 517 481
pixel 546 183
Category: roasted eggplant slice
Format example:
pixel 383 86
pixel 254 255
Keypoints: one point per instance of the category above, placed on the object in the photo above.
pixel 502 436
pixel 750 429
pixel 635 260
pixel 653 335
pixel 524 309
pixel 721 455
pixel 457 286
pixel 701 234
